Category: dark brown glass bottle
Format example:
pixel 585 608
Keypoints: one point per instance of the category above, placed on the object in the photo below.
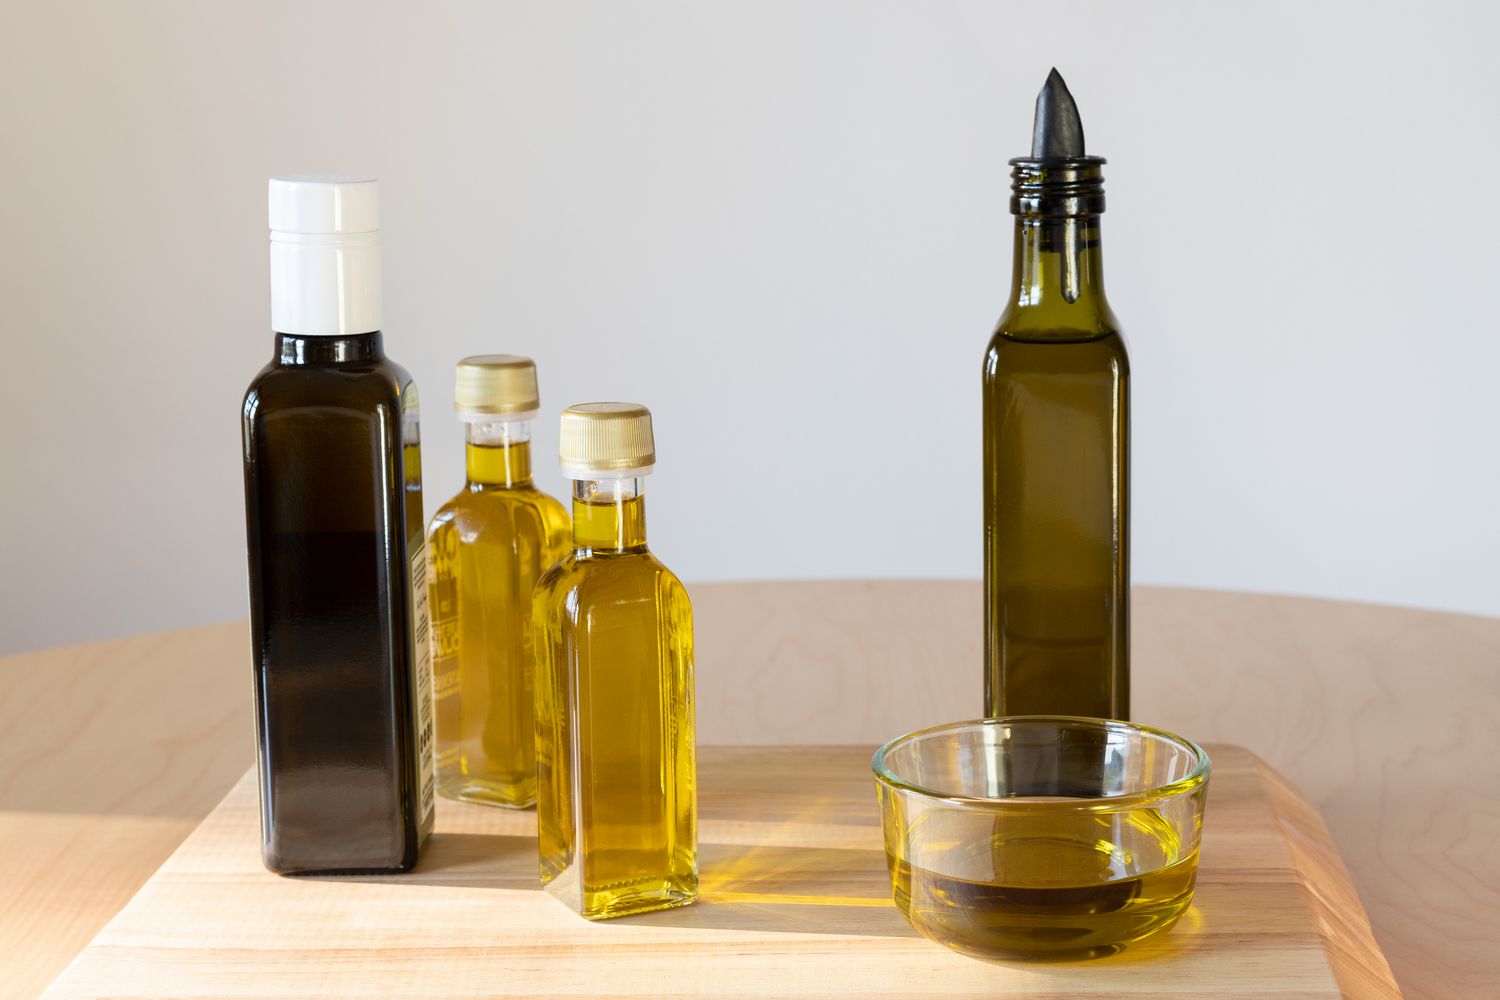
pixel 333 514
pixel 1056 456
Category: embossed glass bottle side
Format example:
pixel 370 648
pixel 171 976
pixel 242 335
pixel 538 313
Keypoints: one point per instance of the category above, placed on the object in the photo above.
pixel 490 543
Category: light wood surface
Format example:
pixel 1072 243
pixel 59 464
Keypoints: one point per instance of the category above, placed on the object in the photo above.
pixel 796 903
pixel 65 875
pixel 110 754
pixel 1385 718
pixel 150 725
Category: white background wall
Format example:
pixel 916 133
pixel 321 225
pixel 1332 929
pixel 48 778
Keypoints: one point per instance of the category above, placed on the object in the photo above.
pixel 784 227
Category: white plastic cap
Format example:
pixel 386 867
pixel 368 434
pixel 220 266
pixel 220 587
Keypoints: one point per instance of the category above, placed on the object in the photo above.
pixel 325 205
pixel 325 255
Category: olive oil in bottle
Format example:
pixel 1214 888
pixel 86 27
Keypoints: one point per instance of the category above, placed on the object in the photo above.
pixel 616 798
pixel 1056 447
pixel 333 516
pixel 489 544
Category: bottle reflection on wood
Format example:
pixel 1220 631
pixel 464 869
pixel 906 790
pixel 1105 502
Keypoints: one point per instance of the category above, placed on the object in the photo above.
pixel 1056 447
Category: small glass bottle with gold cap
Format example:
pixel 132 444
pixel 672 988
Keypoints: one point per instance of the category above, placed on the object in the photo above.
pixel 489 545
pixel 617 812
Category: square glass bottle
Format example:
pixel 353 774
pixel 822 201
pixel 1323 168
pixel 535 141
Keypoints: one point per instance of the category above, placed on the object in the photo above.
pixel 489 545
pixel 617 810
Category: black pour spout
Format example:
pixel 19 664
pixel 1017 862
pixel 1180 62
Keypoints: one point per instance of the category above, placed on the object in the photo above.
pixel 1058 131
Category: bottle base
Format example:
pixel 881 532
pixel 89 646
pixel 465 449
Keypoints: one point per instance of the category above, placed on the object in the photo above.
pixel 291 869
pixel 625 900
pixel 486 792
pixel 617 903
pixel 342 872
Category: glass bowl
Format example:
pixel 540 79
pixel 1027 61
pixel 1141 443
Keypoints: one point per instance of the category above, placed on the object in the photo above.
pixel 1041 837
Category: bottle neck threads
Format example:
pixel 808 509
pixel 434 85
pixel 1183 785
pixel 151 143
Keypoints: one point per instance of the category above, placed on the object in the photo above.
pixel 1057 187
pixel 1057 267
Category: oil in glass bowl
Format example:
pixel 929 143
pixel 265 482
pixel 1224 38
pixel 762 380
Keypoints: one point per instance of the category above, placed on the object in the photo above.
pixel 1055 839
pixel 1032 892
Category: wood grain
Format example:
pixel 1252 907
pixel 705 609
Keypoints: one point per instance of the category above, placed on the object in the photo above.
pixel 149 725
pixel 110 754
pixel 1385 718
pixel 65 875
pixel 1358 965
pixel 796 903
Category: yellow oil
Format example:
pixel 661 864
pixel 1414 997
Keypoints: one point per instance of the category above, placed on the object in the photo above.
pixel 489 545
pixel 1041 888
pixel 617 801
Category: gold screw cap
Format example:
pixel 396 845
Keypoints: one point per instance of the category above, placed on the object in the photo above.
pixel 497 384
pixel 606 440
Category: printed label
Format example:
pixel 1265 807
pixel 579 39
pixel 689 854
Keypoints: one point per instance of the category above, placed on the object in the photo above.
pixel 422 683
pixel 442 563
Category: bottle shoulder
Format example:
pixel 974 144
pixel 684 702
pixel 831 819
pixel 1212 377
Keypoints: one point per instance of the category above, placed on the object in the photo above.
pixel 398 375
pixel 1050 316
pixel 473 508
pixel 670 581
pixel 553 513
pixel 1106 352
pixel 556 584
pixel 583 578
pixel 356 387
pixel 1019 328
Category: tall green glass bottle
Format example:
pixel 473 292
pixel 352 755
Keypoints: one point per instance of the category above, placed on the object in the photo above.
pixel 1056 447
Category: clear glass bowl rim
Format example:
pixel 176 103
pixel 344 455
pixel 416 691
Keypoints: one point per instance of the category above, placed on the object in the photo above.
pixel 1104 803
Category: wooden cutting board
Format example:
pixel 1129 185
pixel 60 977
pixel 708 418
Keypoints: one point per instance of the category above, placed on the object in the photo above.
pixel 796 903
